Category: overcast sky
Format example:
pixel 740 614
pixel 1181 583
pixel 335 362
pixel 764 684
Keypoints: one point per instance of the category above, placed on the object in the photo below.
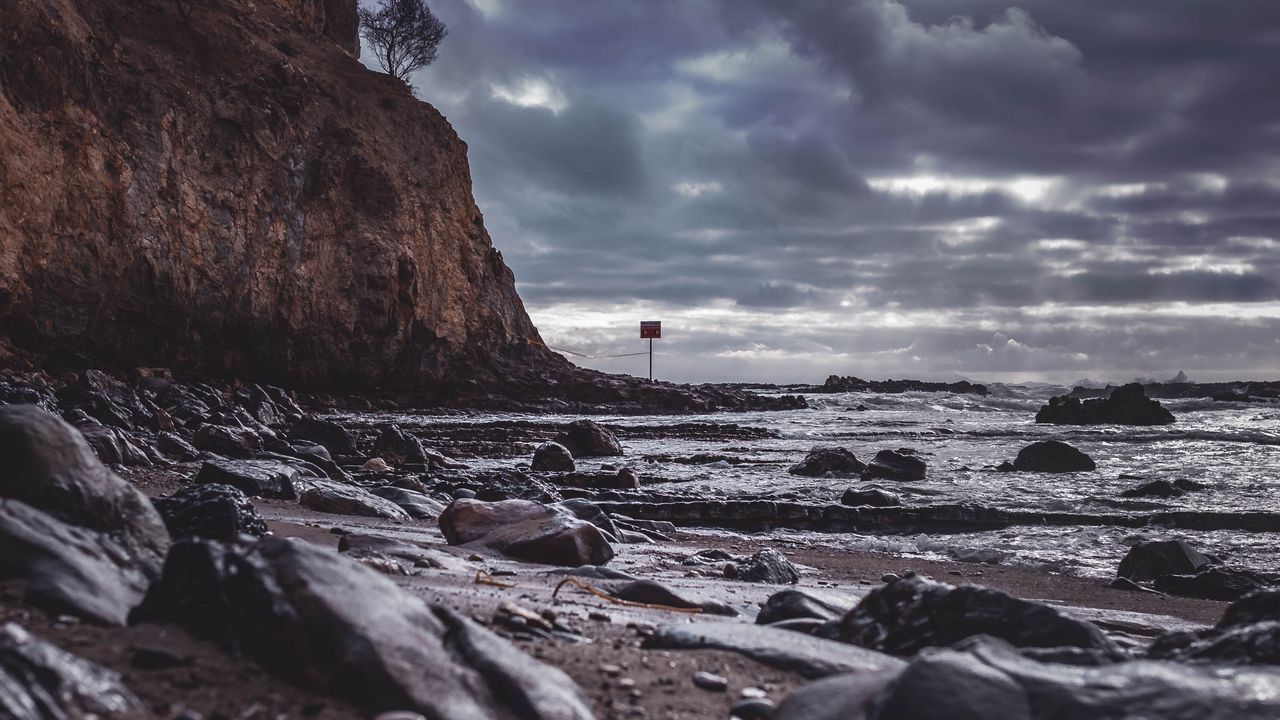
pixel 886 188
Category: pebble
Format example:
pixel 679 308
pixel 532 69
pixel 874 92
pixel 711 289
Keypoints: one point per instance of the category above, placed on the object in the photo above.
pixel 707 681
pixel 753 709
pixel 611 670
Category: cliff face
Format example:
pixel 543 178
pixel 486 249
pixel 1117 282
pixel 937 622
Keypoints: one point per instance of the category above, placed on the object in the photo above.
pixel 237 195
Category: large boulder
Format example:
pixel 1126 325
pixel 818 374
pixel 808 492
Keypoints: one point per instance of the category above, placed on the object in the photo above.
pixel 801 604
pixel 828 462
pixel 554 457
pixel 912 613
pixel 894 465
pixel 330 624
pixel 40 681
pixel 213 511
pixel 1150 559
pixel 525 530
pixel 1052 456
pixel 86 541
pixel 587 438
pixel 236 442
pixel 1127 405
pixel 335 438
pixel 256 478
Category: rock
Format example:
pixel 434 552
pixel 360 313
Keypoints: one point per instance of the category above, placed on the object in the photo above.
pixel 1214 583
pixel 651 592
pixel 231 442
pixel 846 696
pixel 85 541
pixel 912 613
pixel 415 554
pixel 1150 559
pixel 399 447
pixel 874 498
pixel 623 479
pixel 39 681
pixel 1052 456
pixel 173 446
pixel 331 435
pixel 330 497
pixel 1247 634
pixel 1128 405
pixel 753 709
pixel 584 509
pixel 972 691
pixel 1006 466
pixel 553 457
pixel 1189 485
pixel 793 604
pixel 332 625
pixel 375 465
pixel 213 511
pixel 809 656
pixel 255 478
pixel 113 446
pixel 418 505
pixel 892 465
pixel 828 461
pixel 768 566
pixel 1155 488
pixel 711 682
pixel 525 530
pixel 586 438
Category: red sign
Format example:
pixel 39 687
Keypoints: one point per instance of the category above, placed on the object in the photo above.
pixel 650 329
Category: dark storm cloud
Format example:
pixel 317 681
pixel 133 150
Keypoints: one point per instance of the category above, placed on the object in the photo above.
pixel 929 172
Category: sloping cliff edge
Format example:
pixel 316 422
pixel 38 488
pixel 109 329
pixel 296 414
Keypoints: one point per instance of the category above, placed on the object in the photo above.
pixel 236 195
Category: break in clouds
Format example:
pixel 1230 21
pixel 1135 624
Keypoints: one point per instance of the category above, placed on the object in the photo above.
pixel 887 188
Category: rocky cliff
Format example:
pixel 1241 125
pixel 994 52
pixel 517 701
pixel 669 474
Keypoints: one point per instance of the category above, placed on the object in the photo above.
pixel 235 194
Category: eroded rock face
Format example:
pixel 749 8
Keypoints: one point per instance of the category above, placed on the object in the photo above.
pixel 527 531
pixel 300 218
pixel 39 681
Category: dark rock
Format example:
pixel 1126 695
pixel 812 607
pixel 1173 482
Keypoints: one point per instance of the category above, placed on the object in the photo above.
pixel 828 461
pixel 39 681
pixel 1249 633
pixel 972 691
pixel 1189 485
pixel 213 511
pixel 418 555
pixel 418 505
pixel 874 498
pixel 586 438
pixel 114 446
pixel 1215 583
pixel 768 566
pixel 1155 488
pixel 319 456
pixel 793 604
pixel 584 509
pixel 623 479
pixel 228 441
pixel 1123 583
pixel 330 497
pixel 837 383
pixel 1006 466
pixel 651 592
pixel 325 622
pixel 913 613
pixel 809 656
pixel 753 709
pixel 331 435
pixel 173 446
pixel 398 447
pixel 1128 405
pixel 847 696
pixel 553 457
pixel 892 465
pixel 526 531
pixel 86 541
pixel 1151 559
pixel 256 478
pixel 710 681
pixel 1052 456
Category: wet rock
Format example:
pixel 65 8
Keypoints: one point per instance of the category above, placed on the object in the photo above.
pixel 332 625
pixel 651 592
pixel 1249 633
pixel 912 613
pixel 753 709
pixel 399 447
pixel 319 456
pixel 1189 485
pixel 1052 456
pixel 527 531
pixel 623 479
pixel 331 435
pixel 1155 488
pixel 377 465
pixel 809 656
pixel 85 541
pixel 874 498
pixel 554 457
pixel 213 511
pixel 793 604
pixel 417 505
pixel 768 566
pixel 113 446
pixel 228 441
pixel 330 497
pixel 847 696
pixel 417 555
pixel 256 478
pixel 587 510
pixel 711 682
pixel 1215 583
pixel 1127 405
pixel 893 465
pixel 40 681
pixel 172 445
pixel 1151 559
pixel 586 438
pixel 828 461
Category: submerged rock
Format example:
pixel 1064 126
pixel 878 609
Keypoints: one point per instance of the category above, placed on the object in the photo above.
pixel 894 465
pixel 1155 488
pixel 1052 456
pixel 213 511
pixel 554 457
pixel 1150 559
pixel 39 681
pixel 824 461
pixel 1128 405
pixel 332 625
pixel 587 438
pixel 526 530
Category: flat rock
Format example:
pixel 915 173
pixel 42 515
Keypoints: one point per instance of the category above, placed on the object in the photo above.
pixel 526 530
pixel 793 604
pixel 873 498
pixel 1052 456
pixel 213 511
pixel 809 656
pixel 40 681
pixel 1155 488
pixel 418 555
pixel 418 505
pixel 894 465
pixel 651 592
pixel 255 478
pixel 331 497
pixel 236 442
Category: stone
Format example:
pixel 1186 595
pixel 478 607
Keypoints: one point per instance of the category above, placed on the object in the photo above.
pixel 418 505
pixel 414 554
pixel 768 566
pixel 228 441
pixel 326 622
pixel 255 478
pixel 912 613
pixel 40 681
pixel 1247 634
pixel 113 446
pixel 893 465
pixel 1052 456
pixel 377 465
pixel 954 686
pixel 1155 488
pixel 85 541
pixel 873 498
pixel 330 497
pixel 398 447
pixel 828 462
pixel 1150 559
pixel 651 592
pixel 553 457
pixel 1127 405
pixel 846 696
pixel 213 511
pixel 587 438
pixel 792 604
pixel 623 479
pixel 753 709
pixel 331 435
pixel 525 530
pixel 711 682
pixel 172 445
pixel 1215 583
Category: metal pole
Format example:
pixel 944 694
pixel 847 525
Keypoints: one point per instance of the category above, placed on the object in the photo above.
pixel 650 359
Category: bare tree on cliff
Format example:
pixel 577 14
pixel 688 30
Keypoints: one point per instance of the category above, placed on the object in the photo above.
pixel 404 34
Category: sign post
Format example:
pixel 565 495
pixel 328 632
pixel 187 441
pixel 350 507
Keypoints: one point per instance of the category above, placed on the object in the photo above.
pixel 650 329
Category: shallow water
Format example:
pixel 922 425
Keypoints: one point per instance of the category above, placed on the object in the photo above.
pixel 1232 447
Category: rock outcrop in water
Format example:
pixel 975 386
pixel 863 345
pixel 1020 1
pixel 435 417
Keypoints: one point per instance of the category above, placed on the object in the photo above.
pixel 837 383
pixel 1127 405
